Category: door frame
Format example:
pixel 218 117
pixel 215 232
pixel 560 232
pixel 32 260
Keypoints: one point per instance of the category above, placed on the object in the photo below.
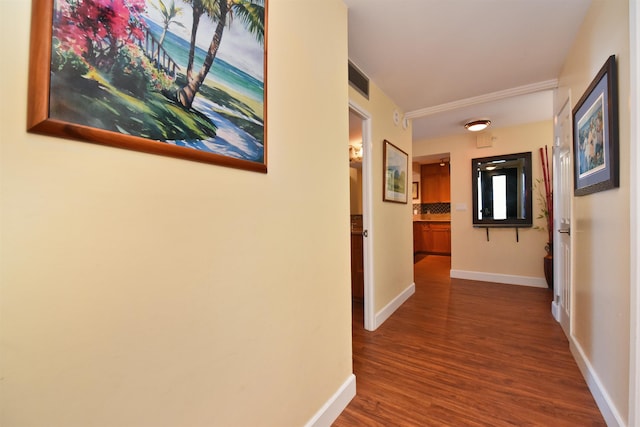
pixel 367 216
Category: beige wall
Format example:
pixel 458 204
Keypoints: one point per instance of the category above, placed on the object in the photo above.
pixel 470 251
pixel 391 232
pixel 600 227
pixel 147 291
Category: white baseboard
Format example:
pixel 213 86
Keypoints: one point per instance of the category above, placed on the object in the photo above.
pixel 537 282
pixel 395 303
pixel 555 311
pixel 335 405
pixel 341 398
pixel 609 412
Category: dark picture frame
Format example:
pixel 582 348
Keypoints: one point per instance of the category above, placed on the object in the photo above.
pixel 415 190
pixel 595 134
pixel 118 77
pixel 395 171
pixel 512 204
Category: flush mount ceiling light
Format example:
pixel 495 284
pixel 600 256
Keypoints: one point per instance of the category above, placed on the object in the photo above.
pixel 477 125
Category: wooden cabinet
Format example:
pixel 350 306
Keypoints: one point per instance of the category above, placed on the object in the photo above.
pixel 432 237
pixel 435 183
pixel 425 237
pixel 440 238
pixel 417 237
pixel 357 266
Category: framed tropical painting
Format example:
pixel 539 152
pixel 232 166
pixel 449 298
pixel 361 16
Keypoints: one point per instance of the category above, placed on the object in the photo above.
pixel 180 78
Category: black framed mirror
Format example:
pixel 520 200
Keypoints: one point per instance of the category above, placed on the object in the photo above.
pixel 502 191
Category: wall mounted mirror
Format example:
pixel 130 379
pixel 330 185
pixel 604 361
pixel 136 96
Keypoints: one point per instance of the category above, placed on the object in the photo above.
pixel 502 191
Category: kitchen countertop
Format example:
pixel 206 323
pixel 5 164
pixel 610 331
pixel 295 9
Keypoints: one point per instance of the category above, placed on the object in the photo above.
pixel 432 218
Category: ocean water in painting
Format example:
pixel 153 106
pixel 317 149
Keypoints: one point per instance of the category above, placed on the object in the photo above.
pixel 225 73
pixel 230 140
pixel 104 75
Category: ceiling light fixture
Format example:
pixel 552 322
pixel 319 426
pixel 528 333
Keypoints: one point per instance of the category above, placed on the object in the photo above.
pixel 355 152
pixel 477 125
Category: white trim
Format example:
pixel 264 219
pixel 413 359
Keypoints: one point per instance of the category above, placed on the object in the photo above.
pixel 509 279
pixel 634 249
pixel 367 216
pixel 333 407
pixel 609 412
pixel 555 310
pixel 395 303
pixel 489 97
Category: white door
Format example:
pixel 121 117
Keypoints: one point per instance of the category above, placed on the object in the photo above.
pixel 563 192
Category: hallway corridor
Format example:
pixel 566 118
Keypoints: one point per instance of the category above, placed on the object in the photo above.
pixel 464 353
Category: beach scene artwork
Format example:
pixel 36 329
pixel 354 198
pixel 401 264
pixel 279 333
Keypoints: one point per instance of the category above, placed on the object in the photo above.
pixel 186 73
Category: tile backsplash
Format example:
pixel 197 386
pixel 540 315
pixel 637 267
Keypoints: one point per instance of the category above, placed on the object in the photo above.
pixel 432 208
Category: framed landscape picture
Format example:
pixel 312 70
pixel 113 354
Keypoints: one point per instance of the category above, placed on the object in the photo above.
pixel 395 166
pixel 595 134
pixel 178 78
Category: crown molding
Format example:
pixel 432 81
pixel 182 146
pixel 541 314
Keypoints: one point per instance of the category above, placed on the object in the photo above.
pixel 489 97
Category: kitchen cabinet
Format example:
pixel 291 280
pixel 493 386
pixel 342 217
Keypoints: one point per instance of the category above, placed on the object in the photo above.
pixel 417 237
pixel 440 242
pixel 432 237
pixel 435 183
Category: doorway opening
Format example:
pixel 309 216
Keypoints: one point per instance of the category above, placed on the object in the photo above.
pixel 432 205
pixel 355 211
pixel 362 286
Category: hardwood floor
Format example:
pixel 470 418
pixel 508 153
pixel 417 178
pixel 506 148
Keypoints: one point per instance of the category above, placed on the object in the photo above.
pixel 465 353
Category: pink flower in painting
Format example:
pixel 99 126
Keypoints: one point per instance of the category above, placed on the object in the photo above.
pixel 98 28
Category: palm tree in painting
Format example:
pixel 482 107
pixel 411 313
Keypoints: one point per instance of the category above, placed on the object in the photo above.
pixel 198 8
pixel 169 15
pixel 251 15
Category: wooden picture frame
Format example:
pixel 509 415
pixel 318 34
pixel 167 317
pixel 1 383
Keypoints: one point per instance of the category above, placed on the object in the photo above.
pixel 595 134
pixel 115 73
pixel 415 190
pixel 395 167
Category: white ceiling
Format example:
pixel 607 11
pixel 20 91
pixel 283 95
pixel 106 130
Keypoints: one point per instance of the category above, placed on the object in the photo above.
pixel 444 62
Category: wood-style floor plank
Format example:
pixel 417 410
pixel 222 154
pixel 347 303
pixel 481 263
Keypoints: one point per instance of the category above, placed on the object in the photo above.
pixel 466 353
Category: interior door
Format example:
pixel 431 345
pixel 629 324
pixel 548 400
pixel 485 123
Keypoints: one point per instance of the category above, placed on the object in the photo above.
pixel 563 191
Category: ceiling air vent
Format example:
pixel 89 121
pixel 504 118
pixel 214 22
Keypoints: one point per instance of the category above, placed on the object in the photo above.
pixel 358 80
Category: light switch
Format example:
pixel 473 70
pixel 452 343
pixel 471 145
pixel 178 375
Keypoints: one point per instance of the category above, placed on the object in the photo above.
pixel 461 206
